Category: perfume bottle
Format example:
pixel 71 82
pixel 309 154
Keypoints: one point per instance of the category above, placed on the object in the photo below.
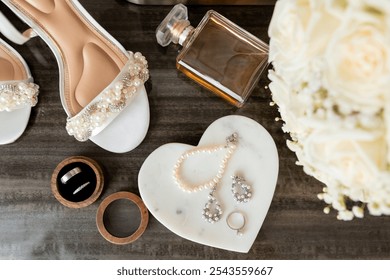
pixel 217 54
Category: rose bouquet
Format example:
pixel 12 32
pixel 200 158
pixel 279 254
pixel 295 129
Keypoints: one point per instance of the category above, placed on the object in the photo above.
pixel 331 82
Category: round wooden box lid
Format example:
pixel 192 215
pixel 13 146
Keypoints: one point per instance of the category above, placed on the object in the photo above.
pixel 144 219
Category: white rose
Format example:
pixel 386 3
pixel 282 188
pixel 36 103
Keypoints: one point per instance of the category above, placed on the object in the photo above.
pixel 342 8
pixel 299 30
pixel 339 8
pixel 357 63
pixel 354 158
pixel 320 28
pixel 290 108
pixel 287 32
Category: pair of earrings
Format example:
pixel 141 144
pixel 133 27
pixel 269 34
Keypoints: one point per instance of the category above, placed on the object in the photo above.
pixel 242 193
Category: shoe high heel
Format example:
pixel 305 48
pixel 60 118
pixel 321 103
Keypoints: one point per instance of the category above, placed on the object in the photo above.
pixel 101 84
pixel 18 93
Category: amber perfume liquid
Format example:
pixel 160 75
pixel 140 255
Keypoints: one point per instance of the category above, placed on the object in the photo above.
pixel 218 55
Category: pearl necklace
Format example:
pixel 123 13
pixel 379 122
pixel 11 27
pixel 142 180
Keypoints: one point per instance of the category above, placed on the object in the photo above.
pixel 230 146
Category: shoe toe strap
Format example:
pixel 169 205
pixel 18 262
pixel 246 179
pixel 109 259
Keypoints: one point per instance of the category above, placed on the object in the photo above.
pixel 105 107
pixel 17 94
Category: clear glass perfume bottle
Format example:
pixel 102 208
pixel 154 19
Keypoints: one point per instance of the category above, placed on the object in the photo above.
pixel 217 54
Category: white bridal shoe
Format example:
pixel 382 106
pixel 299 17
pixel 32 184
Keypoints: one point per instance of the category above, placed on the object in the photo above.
pixel 101 84
pixel 18 93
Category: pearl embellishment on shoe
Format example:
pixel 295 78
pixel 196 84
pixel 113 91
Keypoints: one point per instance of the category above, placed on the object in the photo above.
pixel 15 95
pixel 107 105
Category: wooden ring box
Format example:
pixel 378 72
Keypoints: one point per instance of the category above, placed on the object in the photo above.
pixel 90 172
pixel 100 218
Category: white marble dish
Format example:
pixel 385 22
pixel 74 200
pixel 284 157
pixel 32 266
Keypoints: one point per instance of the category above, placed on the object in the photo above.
pixel 255 158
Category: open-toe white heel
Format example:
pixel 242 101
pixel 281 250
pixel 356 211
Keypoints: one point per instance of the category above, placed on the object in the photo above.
pixel 18 93
pixel 101 84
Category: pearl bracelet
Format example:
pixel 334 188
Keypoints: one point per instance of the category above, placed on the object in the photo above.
pixel 230 146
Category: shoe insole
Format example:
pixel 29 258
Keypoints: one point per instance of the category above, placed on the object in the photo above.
pixel 10 66
pixel 91 61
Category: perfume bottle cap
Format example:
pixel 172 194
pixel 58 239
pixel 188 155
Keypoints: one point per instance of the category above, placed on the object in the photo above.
pixel 175 27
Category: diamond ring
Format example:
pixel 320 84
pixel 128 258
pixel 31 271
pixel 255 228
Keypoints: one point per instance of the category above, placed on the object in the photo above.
pixel 81 187
pixel 236 221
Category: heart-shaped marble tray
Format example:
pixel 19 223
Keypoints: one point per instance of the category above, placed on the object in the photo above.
pixel 255 158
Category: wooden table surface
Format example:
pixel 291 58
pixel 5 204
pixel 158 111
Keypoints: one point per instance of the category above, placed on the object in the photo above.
pixel 34 225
